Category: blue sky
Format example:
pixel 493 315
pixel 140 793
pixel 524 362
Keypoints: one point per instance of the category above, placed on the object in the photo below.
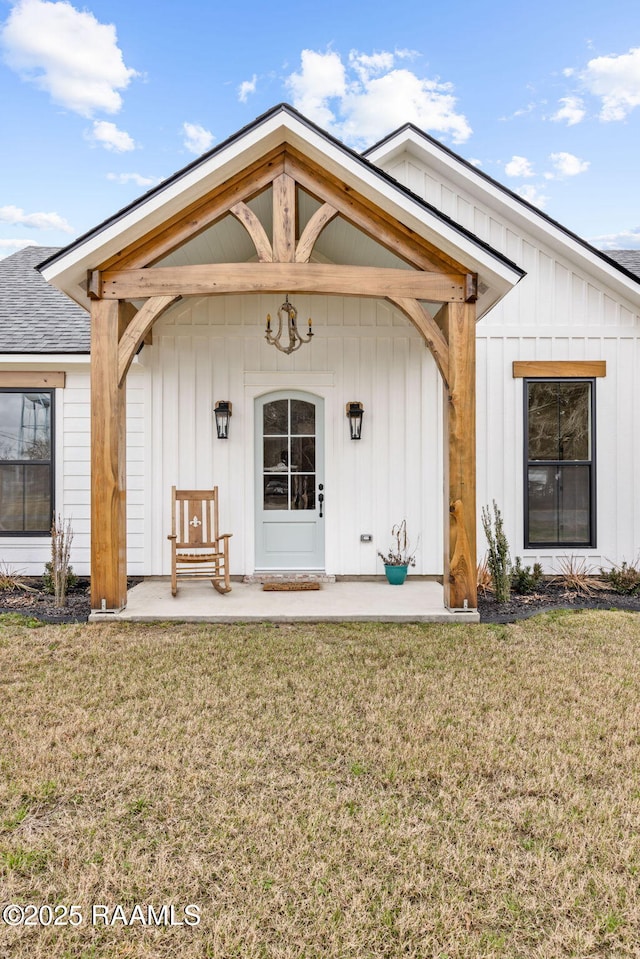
pixel 98 102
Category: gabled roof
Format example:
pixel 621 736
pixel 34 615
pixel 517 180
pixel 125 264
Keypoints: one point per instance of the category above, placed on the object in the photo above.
pixel 34 316
pixel 410 139
pixel 628 259
pixel 280 126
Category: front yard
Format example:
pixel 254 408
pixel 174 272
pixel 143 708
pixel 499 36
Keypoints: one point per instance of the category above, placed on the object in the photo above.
pixel 322 791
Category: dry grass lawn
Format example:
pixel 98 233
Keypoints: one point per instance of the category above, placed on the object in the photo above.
pixel 349 791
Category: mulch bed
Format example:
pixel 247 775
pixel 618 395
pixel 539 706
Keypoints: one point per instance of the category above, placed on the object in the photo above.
pixel 548 597
pixel 39 605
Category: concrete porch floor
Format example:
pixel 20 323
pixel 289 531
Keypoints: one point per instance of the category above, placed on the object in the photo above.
pixel 416 601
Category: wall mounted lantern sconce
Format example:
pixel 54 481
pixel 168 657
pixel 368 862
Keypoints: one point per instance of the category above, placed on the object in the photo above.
pixel 223 415
pixel 295 340
pixel 355 412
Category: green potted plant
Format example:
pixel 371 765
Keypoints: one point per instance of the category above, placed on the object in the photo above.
pixel 399 557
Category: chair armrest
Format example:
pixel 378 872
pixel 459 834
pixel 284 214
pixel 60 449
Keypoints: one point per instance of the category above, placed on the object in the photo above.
pixel 172 536
pixel 225 535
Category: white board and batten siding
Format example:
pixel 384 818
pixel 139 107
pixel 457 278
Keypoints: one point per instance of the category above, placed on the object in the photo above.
pixel 76 482
pixel 212 349
pixel 559 311
pixel 72 443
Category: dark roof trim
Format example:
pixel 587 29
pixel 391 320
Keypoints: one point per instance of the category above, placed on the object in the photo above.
pixel 285 108
pixel 507 191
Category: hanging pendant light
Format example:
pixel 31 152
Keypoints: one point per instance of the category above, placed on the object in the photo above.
pixel 295 340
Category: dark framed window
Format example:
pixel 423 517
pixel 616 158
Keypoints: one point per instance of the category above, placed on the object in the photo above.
pixel 26 461
pixel 559 477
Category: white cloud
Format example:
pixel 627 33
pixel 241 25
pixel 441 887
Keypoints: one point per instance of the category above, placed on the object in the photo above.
pixel 246 88
pixel 566 164
pixel 521 112
pixel 370 65
pixel 616 80
pixel 107 135
pixel 7 247
pixel 35 221
pixel 519 166
pixel 625 240
pixel 197 139
pixel 67 53
pixel 532 195
pixel 370 96
pixel 137 178
pixel 322 77
pixel 572 110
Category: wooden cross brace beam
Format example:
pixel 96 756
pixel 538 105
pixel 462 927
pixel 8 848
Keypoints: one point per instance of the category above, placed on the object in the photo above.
pixel 219 278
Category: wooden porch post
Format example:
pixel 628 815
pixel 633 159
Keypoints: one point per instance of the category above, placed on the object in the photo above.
pixel 108 463
pixel 460 578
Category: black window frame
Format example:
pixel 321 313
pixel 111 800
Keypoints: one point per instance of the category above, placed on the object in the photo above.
pixel 21 533
pixel 591 464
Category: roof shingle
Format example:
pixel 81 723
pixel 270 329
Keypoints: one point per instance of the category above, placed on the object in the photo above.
pixel 629 259
pixel 37 318
pixel 34 316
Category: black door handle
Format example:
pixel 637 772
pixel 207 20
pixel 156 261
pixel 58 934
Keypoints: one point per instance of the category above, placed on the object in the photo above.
pixel 320 499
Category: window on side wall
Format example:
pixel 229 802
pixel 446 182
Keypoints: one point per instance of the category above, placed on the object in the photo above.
pixel 559 462
pixel 26 461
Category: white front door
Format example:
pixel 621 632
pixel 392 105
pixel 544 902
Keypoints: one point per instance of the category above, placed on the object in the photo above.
pixel 289 481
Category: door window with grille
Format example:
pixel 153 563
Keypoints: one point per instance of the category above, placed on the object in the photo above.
pixel 289 455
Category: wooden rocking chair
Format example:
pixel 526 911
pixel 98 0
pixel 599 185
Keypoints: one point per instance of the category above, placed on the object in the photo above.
pixel 198 550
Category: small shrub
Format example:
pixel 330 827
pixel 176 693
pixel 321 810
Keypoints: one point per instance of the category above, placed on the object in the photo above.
pixel 483 577
pixel 10 580
pixel 48 584
pixel 623 579
pixel 577 577
pixel 59 570
pixel 498 558
pixel 524 579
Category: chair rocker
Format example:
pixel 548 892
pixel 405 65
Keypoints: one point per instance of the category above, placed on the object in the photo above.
pixel 198 550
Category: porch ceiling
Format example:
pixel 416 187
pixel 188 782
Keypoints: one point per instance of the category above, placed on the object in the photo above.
pixel 228 242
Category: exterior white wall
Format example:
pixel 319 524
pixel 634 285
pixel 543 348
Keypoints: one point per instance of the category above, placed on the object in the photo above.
pixel 205 350
pixel 29 554
pixel 557 312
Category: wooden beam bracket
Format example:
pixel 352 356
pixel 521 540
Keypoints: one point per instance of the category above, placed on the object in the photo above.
pixel 94 284
pixel 245 215
pixel 137 331
pixel 428 328
pixel 312 231
pixel 470 287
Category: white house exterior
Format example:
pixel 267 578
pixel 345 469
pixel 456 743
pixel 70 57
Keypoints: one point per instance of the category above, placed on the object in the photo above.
pixel 544 297
pixel 574 304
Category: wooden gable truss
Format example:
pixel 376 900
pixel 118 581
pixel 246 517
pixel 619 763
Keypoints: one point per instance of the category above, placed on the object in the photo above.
pixel 283 265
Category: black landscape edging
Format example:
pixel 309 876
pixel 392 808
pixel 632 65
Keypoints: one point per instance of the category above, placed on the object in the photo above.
pixel 610 603
pixel 43 616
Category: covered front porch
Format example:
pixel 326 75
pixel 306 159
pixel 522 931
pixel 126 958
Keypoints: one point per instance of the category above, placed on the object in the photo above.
pixel 284 210
pixel 418 600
